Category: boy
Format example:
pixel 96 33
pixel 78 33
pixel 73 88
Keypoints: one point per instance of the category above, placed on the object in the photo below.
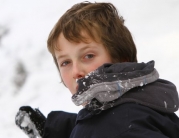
pixel 96 58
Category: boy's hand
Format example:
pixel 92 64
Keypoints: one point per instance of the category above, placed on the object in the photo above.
pixel 31 121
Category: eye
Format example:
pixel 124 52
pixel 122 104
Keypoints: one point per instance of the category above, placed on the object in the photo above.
pixel 89 56
pixel 65 63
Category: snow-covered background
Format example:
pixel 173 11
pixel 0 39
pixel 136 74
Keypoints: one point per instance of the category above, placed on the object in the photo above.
pixel 28 75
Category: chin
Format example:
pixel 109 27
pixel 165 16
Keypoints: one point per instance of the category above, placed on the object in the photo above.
pixel 73 92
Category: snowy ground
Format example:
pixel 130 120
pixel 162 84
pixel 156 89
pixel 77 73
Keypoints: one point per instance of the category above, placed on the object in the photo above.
pixel 27 73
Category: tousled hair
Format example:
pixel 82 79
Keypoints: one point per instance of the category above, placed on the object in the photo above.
pixel 102 23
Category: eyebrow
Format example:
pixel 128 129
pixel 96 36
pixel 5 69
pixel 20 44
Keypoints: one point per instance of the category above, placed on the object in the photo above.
pixel 86 47
pixel 81 49
pixel 61 56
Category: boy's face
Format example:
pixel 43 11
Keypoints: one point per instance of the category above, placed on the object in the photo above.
pixel 75 60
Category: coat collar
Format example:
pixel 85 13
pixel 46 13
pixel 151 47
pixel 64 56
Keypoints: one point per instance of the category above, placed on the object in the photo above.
pixel 113 84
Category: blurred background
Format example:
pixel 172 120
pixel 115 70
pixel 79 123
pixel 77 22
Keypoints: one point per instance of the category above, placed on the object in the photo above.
pixel 28 75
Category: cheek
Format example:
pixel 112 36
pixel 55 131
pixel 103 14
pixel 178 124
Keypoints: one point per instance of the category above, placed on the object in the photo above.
pixel 93 67
pixel 66 78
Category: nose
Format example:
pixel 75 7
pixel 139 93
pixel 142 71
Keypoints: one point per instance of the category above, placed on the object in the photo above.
pixel 78 71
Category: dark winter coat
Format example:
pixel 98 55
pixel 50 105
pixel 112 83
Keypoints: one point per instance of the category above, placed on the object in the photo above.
pixel 126 100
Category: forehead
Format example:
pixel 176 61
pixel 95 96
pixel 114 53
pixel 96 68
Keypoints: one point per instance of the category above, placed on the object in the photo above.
pixel 83 38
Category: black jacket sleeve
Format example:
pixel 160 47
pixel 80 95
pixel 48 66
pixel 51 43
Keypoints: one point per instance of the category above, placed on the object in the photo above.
pixel 59 124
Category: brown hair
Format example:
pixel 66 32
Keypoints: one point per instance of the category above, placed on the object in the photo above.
pixel 102 23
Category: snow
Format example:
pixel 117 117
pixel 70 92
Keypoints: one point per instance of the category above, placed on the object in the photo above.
pixel 141 84
pixel 25 121
pixel 26 25
pixel 165 103
pixel 84 83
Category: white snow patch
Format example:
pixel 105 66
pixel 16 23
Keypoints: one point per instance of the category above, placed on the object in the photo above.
pixel 141 84
pixel 165 104
pixel 25 121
